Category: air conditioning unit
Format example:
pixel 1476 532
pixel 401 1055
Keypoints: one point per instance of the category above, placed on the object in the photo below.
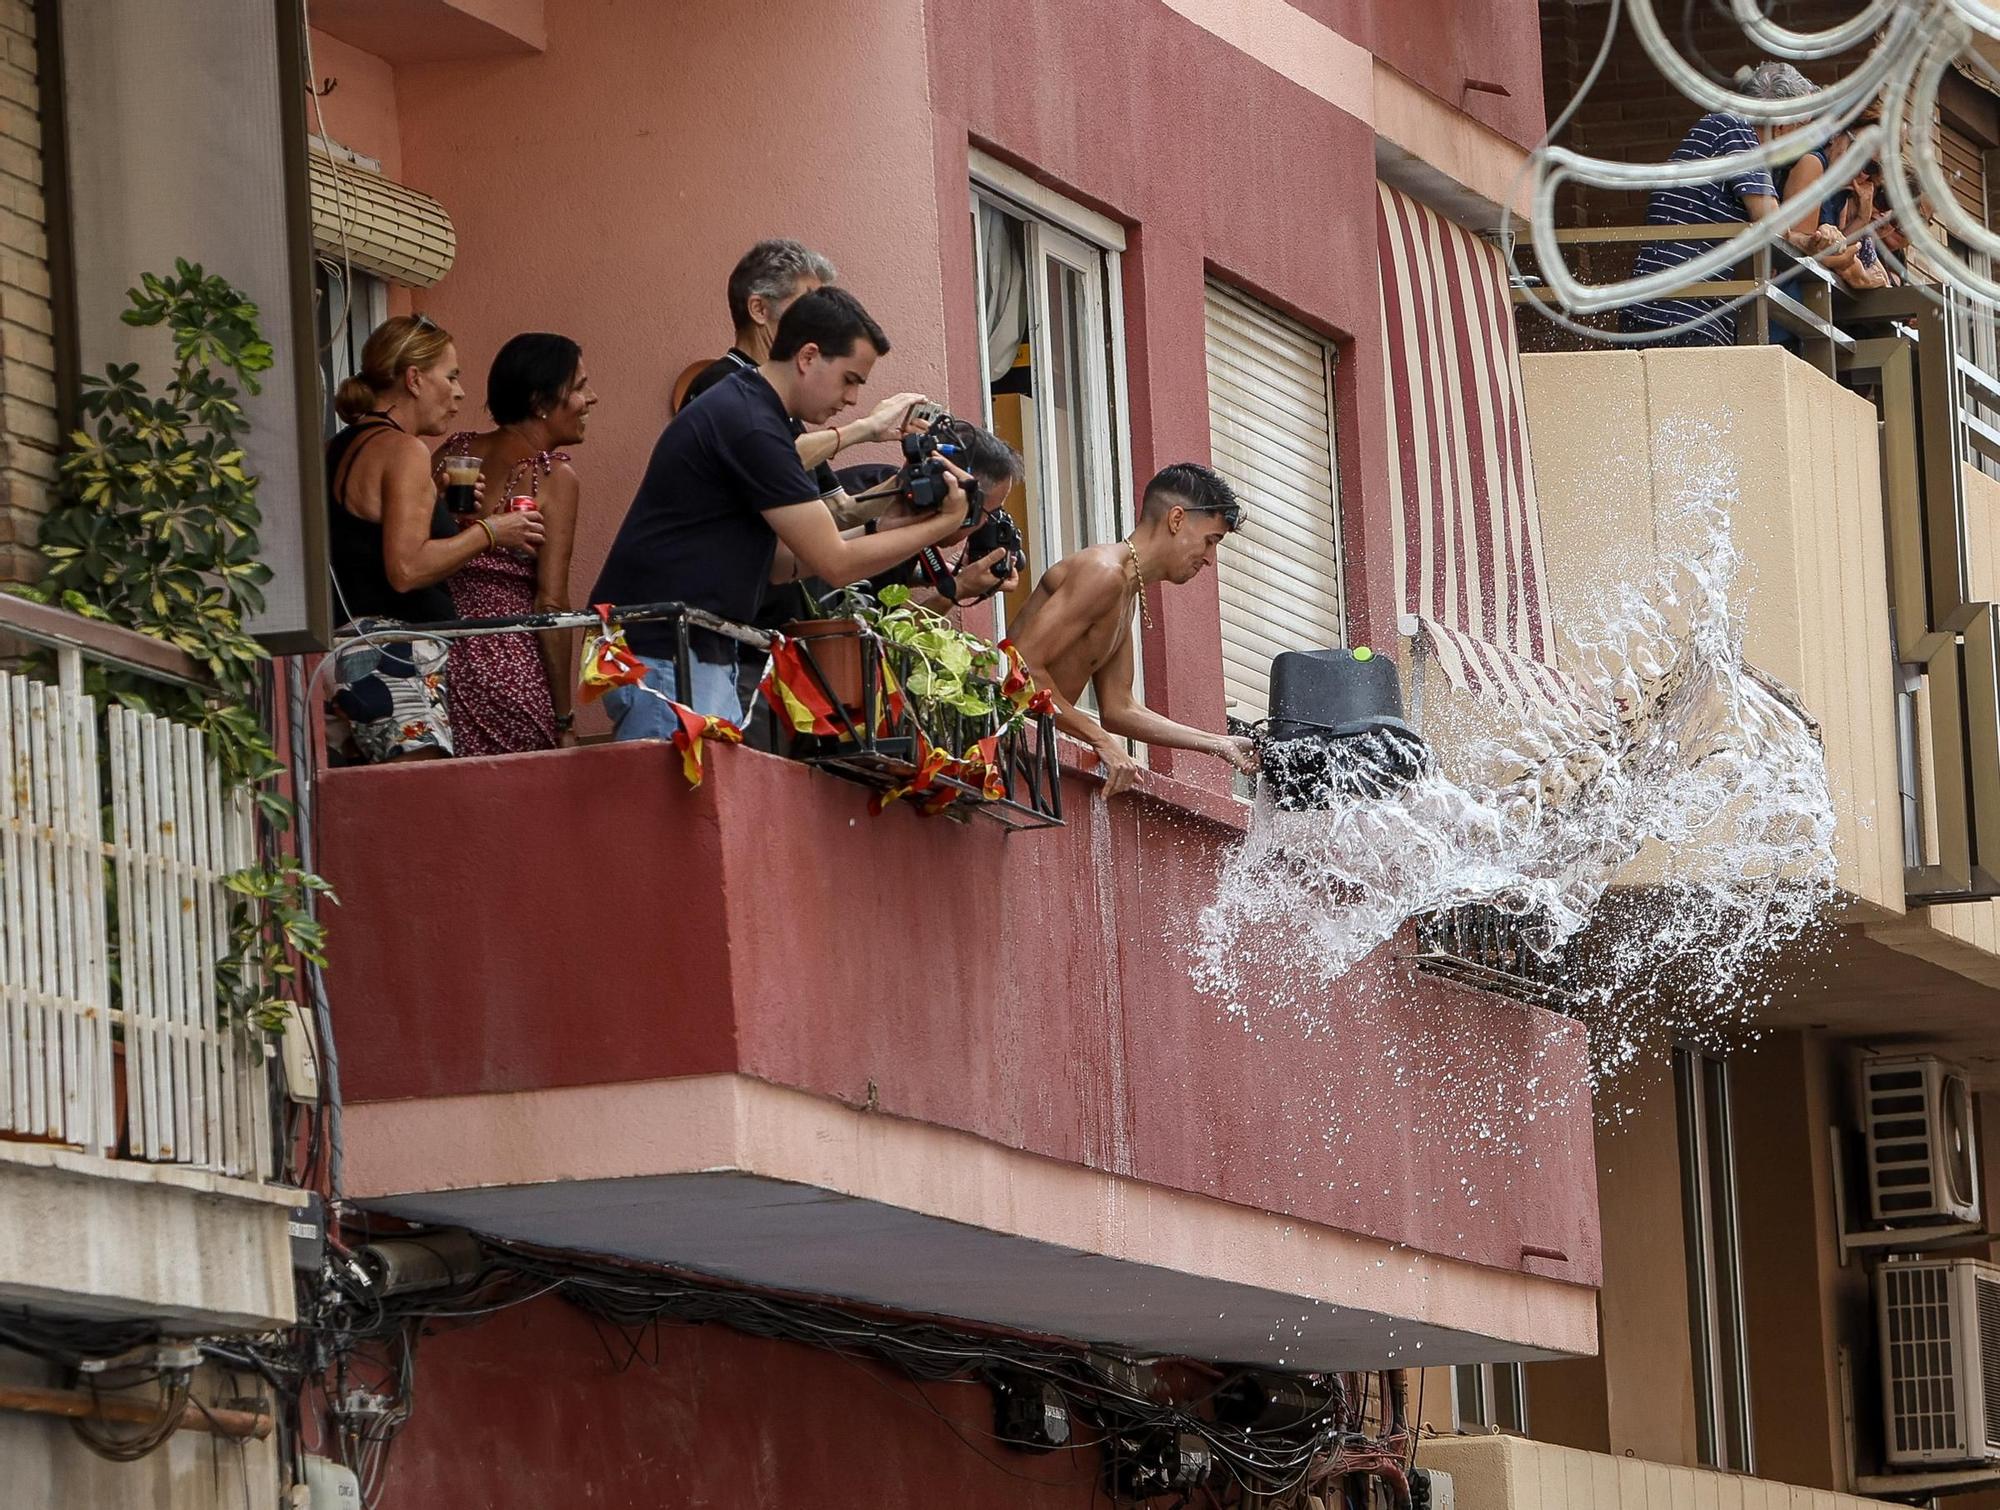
pixel 1923 1161
pixel 1939 1338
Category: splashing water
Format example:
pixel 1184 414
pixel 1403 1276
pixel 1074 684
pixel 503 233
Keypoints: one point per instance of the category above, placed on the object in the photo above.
pixel 1676 755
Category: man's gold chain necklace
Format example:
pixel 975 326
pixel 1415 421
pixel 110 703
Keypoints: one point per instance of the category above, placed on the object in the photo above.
pixel 1145 608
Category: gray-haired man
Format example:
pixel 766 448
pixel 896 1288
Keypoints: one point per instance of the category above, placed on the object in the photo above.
pixel 762 286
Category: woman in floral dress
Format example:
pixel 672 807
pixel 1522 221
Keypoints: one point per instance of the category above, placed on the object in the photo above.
pixel 512 692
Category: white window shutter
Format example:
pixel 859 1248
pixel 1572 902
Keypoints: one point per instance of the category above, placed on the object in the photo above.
pixel 1270 416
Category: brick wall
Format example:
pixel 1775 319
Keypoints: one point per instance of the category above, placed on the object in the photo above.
pixel 28 432
pixel 1633 114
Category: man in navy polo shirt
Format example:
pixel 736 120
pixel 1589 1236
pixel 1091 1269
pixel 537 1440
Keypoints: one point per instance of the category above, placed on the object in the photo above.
pixel 725 487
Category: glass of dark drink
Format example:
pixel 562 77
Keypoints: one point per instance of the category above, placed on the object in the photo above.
pixel 461 476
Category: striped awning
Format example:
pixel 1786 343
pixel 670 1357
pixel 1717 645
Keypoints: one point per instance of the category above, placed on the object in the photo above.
pixel 1466 533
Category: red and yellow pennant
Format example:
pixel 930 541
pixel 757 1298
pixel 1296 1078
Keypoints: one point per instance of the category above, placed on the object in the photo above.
pixel 794 693
pixel 931 763
pixel 607 660
pixel 694 729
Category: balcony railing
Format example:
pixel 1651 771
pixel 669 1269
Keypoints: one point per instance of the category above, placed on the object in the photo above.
pixel 876 734
pixel 115 839
pixel 1784 292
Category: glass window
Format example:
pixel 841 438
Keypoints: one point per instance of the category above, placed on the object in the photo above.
pixel 1047 303
pixel 347 306
pixel 1489 1397
pixel 1714 1262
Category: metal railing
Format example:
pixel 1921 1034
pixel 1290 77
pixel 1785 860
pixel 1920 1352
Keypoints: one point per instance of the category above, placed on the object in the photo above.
pixel 1784 291
pixel 1492 950
pixel 115 839
pixel 883 753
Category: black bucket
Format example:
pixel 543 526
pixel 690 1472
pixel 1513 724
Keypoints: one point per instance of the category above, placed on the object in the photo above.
pixel 1336 729
pixel 1339 692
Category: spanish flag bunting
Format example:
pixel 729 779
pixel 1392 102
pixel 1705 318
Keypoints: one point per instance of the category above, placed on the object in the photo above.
pixel 931 763
pixel 694 728
pixel 607 660
pixel 983 762
pixel 795 694
pixel 1017 686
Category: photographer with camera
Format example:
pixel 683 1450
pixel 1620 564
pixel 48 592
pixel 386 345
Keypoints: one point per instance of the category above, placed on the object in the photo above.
pixel 1077 628
pixel 725 487
pixel 993 556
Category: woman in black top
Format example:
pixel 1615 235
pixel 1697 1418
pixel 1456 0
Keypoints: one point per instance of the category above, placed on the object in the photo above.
pixel 393 543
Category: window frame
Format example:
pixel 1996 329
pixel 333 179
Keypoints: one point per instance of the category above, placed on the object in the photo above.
pixel 1092 246
pixel 1482 1381
pixel 367 303
pixel 1718 1334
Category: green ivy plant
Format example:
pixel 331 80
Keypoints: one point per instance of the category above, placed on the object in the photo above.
pixel 156 530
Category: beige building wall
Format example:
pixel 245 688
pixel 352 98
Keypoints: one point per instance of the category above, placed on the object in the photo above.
pixel 1512 1473
pixel 1622 439
pixel 28 429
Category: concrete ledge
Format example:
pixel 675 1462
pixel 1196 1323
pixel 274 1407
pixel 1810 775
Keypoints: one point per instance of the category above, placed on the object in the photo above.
pixel 88 1236
pixel 730 1175
pixel 1513 1473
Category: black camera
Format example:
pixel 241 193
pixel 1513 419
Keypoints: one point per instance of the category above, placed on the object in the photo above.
pixel 926 482
pixel 998 531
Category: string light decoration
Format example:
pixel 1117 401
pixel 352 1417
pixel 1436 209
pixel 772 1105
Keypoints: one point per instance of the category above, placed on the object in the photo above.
pixel 1916 43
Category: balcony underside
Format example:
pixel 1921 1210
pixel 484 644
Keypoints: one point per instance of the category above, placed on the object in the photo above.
pixel 728 1176
pixel 113 1239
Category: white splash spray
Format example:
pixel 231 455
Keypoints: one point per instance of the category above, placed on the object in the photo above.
pixel 1676 755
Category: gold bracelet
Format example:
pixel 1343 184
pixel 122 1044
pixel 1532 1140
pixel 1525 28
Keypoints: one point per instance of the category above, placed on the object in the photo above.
pixel 492 538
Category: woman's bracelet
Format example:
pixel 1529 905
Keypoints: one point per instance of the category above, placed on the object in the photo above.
pixel 492 537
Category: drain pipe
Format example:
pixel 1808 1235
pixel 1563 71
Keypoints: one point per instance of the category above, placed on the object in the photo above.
pixel 304 796
pixel 78 1405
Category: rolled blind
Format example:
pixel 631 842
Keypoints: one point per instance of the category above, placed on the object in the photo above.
pixel 379 225
pixel 1270 418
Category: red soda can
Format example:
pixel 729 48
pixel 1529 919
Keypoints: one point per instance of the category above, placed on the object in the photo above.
pixel 520 503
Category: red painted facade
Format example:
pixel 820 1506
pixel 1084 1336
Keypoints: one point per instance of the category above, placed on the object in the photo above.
pixel 580 917
pixel 537 1415
pixel 1218 166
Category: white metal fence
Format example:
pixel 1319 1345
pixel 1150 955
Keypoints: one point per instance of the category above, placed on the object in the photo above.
pixel 111 928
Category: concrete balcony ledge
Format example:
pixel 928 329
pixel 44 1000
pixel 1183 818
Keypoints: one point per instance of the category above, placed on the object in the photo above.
pixel 1514 1473
pixel 115 1238
pixel 726 1175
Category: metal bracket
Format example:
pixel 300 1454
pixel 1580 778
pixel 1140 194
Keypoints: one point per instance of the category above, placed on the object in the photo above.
pixel 1849 1242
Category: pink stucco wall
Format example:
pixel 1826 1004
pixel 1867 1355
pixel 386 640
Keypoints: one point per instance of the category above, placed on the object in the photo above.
pixel 605 187
pixel 358 102
pixel 608 925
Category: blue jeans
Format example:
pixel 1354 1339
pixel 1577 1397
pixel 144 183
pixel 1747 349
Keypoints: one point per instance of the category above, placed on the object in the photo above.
pixel 639 715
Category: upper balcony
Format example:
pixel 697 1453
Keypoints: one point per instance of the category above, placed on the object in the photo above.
pixel 752 1030
pixel 1867 533
pixel 137 1149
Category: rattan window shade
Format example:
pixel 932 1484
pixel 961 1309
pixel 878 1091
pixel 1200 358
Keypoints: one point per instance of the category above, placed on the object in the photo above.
pixel 377 224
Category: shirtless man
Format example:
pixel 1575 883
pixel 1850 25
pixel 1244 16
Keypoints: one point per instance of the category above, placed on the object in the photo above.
pixel 1077 627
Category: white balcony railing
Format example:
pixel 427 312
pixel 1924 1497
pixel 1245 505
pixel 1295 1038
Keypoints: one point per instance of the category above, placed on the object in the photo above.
pixel 115 839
